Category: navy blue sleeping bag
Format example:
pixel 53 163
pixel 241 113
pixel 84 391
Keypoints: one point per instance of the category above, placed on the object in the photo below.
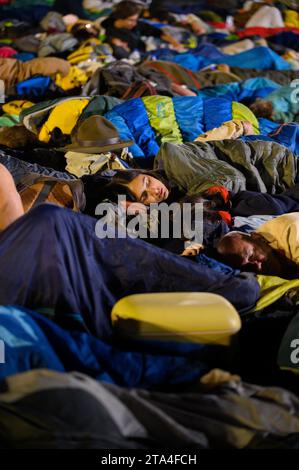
pixel 248 203
pixel 52 259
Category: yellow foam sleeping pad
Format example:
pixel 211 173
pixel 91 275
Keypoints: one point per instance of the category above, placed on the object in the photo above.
pixel 196 317
pixel 16 107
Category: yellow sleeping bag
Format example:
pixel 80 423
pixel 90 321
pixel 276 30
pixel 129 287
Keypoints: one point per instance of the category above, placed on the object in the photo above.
pixel 16 107
pixel 273 288
pixel 74 79
pixel 64 116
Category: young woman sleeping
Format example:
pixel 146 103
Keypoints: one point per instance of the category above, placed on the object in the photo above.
pixel 145 187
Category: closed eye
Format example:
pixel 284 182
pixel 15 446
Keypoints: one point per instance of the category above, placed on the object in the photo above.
pixel 143 197
pixel 250 254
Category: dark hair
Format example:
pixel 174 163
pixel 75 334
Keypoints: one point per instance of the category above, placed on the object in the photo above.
pixel 225 244
pixel 161 14
pixel 262 108
pixel 80 30
pixel 126 9
pixel 98 187
pixel 210 203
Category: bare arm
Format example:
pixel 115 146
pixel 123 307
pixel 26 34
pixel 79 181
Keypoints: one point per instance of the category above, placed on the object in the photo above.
pixel 11 207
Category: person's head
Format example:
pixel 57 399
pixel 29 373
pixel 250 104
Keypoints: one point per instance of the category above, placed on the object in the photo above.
pixel 160 14
pixel 240 251
pixel 126 15
pixel 145 186
pixel 262 108
pixel 223 68
pixel 252 253
pixel 85 30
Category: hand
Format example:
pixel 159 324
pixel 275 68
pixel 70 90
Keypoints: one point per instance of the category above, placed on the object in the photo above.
pixel 11 207
pixel 179 48
pixel 197 29
pixel 134 208
pixel 223 68
pixel 181 90
pixel 171 40
pixel 119 43
pixel 192 250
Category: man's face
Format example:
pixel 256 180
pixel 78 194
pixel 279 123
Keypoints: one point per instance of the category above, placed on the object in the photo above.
pixel 253 254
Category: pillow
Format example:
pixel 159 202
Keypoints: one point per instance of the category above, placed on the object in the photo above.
pixel 180 316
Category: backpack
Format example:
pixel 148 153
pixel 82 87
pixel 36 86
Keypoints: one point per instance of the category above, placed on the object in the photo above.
pixel 171 71
pixel 115 79
pixel 35 190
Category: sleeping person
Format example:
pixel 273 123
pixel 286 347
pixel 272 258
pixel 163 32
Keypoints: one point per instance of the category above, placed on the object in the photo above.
pixel 272 249
pixel 145 187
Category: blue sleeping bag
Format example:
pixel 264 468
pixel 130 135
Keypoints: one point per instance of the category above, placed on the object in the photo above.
pixel 36 87
pixel 285 134
pixel 248 90
pixel 132 120
pixel 34 342
pixel 259 58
